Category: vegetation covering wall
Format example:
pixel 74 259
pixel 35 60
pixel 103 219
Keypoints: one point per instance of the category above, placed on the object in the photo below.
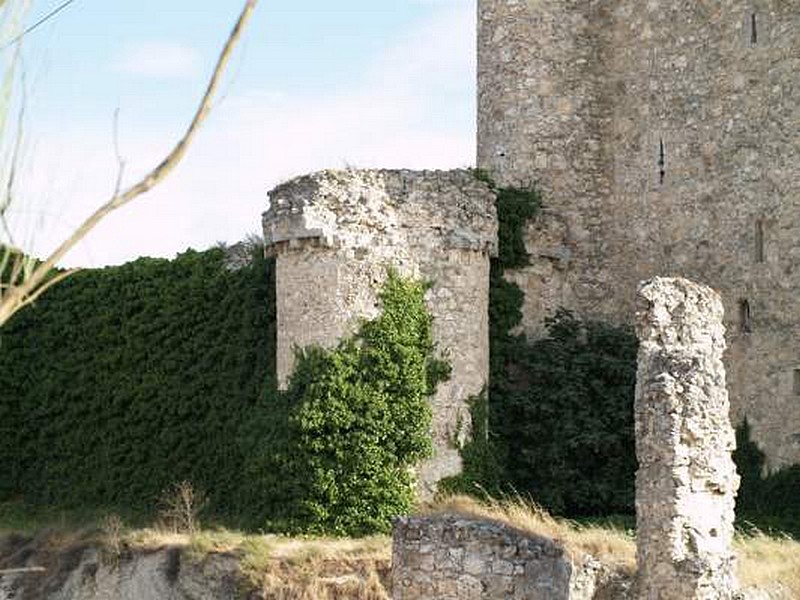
pixel 356 420
pixel 123 380
pixel 559 424
pixel 559 421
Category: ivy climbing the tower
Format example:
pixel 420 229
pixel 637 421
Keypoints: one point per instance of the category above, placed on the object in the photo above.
pixel 356 421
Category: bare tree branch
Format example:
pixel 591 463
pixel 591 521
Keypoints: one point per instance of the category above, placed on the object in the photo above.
pixel 8 199
pixel 29 289
pixel 120 160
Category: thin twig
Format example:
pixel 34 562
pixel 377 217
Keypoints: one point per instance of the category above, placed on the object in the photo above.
pixel 38 23
pixel 16 298
pixel 120 160
pixel 12 173
pixel 31 298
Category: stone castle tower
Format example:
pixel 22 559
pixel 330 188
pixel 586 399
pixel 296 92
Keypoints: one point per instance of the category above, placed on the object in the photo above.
pixel 334 234
pixel 665 136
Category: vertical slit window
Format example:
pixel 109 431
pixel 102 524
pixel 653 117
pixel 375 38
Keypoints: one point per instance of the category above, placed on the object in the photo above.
pixel 745 317
pixel 759 246
pixel 753 29
pixel 796 381
pixel 662 172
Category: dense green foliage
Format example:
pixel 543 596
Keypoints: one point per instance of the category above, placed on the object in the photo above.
pixel 567 418
pixel 559 424
pixel 356 420
pixel 515 208
pixel 123 380
pixel 768 501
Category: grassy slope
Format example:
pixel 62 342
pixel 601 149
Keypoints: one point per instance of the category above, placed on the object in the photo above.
pixel 308 566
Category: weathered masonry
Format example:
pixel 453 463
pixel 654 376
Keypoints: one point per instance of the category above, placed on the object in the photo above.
pixel 456 557
pixel 664 136
pixel 336 233
pixel 686 483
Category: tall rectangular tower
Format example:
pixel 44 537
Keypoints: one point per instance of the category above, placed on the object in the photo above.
pixel 665 138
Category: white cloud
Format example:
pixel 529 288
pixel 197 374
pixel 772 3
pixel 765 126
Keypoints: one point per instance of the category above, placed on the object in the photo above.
pixel 397 114
pixel 159 60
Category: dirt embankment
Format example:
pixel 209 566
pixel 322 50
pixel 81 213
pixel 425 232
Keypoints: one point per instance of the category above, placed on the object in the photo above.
pixel 53 566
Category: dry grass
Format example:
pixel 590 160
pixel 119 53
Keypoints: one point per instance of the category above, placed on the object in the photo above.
pixel 610 545
pixel 277 547
pixel 318 568
pixel 765 560
pixel 291 568
pixel 334 568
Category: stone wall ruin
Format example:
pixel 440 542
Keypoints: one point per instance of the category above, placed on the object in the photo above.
pixel 453 557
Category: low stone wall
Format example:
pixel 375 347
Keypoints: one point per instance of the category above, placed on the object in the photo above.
pixel 451 557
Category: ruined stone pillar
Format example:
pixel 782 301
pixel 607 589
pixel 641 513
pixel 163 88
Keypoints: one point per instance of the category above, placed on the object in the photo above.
pixel 336 233
pixel 686 483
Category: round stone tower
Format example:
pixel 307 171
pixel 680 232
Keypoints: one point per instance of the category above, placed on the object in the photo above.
pixel 334 234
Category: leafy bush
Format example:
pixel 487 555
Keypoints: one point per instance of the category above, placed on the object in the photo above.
pixel 569 430
pixel 357 420
pixel 768 501
pixel 560 410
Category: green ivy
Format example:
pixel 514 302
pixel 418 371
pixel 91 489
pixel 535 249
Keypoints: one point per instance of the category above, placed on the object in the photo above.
pixel 559 423
pixel 559 416
pixel 566 419
pixel 516 206
pixel 356 419
pixel 120 381
pixel 484 469
pixel 124 380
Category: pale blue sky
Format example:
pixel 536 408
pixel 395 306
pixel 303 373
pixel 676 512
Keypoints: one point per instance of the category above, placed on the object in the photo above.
pixel 316 84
